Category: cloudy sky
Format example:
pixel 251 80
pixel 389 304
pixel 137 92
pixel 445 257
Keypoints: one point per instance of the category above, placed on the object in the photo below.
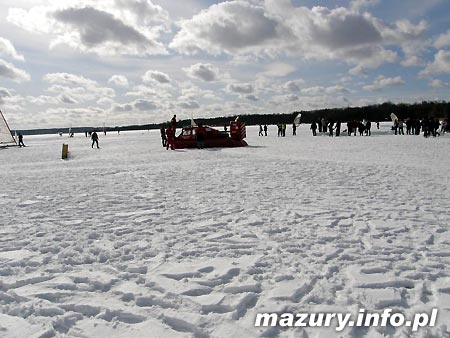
pixel 119 62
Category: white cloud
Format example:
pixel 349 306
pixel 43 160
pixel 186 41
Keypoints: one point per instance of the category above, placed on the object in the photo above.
pixel 154 75
pixel 241 88
pixel 203 71
pixel 69 79
pixel 4 94
pixel 9 71
pixel 7 49
pixel 108 27
pixel 233 27
pixel 119 81
pixel 251 97
pixel 135 106
pixel 439 84
pixel 278 69
pixel 294 85
pixel 440 65
pixel 383 82
pixel 319 90
pixel 361 4
pixel 443 40
pixel 73 88
pixel 188 104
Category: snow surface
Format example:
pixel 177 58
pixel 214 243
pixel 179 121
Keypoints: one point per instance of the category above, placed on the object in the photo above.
pixel 131 240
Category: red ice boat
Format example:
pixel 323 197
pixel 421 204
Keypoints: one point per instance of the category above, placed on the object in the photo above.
pixel 213 138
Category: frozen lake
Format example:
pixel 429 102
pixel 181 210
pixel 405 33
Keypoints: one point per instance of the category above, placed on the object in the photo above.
pixel 131 240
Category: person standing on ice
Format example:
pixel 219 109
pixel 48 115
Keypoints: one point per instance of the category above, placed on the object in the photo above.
pixel 314 128
pixel 94 138
pixel 294 129
pixel 265 130
pixel 21 144
pixel 163 136
pixel 330 128
pixel 170 138
pixel 173 122
pixel 338 128
pixel 260 130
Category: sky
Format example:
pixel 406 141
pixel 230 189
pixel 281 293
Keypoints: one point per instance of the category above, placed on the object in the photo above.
pixel 72 63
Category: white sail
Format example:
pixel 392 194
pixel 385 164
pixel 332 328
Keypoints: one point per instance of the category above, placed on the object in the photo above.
pixel 297 119
pixel 6 137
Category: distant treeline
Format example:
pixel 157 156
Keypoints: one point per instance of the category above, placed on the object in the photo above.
pixel 378 112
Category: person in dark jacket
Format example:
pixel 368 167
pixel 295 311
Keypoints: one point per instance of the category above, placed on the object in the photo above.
pixel 314 128
pixel 163 136
pixel 265 130
pixel 170 133
pixel 21 144
pixel 94 138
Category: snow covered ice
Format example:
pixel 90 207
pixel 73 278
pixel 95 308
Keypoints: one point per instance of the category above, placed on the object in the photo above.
pixel 131 240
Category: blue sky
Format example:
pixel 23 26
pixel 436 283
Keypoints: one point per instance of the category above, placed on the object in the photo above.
pixel 119 62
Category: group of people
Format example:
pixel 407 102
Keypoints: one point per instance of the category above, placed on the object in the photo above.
pixel 261 129
pixel 323 126
pixel 428 126
pixel 168 134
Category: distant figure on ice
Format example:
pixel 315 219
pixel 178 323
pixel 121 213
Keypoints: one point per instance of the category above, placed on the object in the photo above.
pixel 283 129
pixel 94 138
pixel 395 127
pixel 170 134
pixel 338 128
pixel 163 136
pixel 173 122
pixel 265 130
pixel 368 126
pixel 294 129
pixel 330 128
pixel 400 127
pixel 314 128
pixel 378 125
pixel 280 130
pixel 260 130
pixel 21 144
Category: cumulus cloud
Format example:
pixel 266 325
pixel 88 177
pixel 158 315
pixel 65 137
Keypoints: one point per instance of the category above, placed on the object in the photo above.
pixel 278 69
pixel 69 79
pixel 294 85
pixel 436 83
pixel 383 82
pixel 361 4
pixel 251 97
pixel 443 40
pixel 154 75
pixel 272 28
pixel 109 27
pixel 137 105
pixel 119 81
pixel 144 105
pixel 7 49
pixel 440 65
pixel 4 93
pixel 231 27
pixel 64 98
pixel 241 88
pixel 9 71
pixel 202 71
pixel 319 90
pixel 188 104
pixel 74 88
